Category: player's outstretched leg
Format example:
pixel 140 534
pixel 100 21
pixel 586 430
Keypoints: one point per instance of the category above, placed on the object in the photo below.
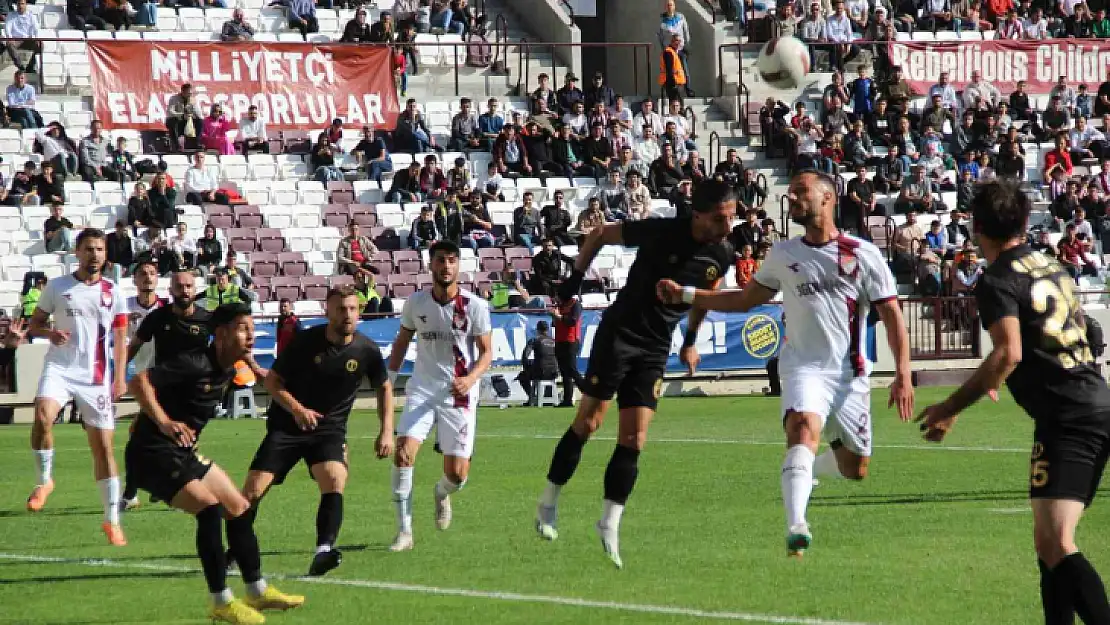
pixel 803 431
pixel 107 481
pixel 332 478
pixel 564 462
pixel 403 460
pixel 1069 584
pixel 42 444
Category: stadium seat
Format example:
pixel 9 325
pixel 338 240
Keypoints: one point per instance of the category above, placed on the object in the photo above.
pixel 271 240
pixel 286 287
pixel 292 264
pixel 264 264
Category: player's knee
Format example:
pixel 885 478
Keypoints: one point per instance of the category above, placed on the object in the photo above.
pixel 857 472
pixel 586 425
pixel 403 456
pixel 1051 547
pixel 236 506
pixel 634 440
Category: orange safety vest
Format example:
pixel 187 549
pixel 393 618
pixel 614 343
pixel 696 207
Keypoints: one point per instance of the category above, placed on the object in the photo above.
pixel 244 377
pixel 679 73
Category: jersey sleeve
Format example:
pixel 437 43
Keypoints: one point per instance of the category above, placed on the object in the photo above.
pixel 876 278
pixel 997 298
pixel 145 332
pixel 768 273
pixel 119 309
pixel 376 374
pixel 480 324
pixel 644 231
pixel 408 316
pixel 47 299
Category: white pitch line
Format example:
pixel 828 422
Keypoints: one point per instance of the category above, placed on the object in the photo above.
pixel 458 592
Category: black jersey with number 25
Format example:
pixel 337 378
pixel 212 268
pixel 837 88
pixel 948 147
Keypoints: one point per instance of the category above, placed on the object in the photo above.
pixel 325 377
pixel 1057 379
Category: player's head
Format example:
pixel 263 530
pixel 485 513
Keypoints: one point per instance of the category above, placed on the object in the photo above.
pixel 285 307
pixel 233 330
pixel 91 250
pixel 145 276
pixel 342 310
pixel 541 328
pixel 999 211
pixel 812 197
pixel 714 204
pixel 183 287
pixel 444 262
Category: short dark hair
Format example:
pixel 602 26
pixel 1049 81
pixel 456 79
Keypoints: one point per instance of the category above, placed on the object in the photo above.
pixel 143 263
pixel 1000 210
pixel 89 233
pixel 342 291
pixel 710 193
pixel 227 314
pixel 445 246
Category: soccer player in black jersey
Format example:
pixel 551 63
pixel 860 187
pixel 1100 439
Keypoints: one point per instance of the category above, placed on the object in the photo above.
pixel 314 383
pixel 629 354
pixel 178 397
pixel 175 329
pixel 1027 303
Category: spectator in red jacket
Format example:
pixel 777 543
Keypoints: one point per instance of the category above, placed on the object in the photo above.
pixel 1058 158
pixel 288 325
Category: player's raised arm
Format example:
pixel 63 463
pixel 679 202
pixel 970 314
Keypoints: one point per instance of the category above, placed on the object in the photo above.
pixel 901 391
pixel 731 300
pixel 609 234
pixel 688 355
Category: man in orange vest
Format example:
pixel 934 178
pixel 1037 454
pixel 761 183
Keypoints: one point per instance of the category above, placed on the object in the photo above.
pixel 672 76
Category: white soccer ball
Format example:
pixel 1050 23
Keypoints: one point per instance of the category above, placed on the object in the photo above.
pixel 783 62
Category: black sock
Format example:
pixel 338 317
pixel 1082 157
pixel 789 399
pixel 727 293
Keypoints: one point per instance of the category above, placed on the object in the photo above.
pixel 1055 600
pixel 1087 592
pixel 244 546
pixel 210 548
pixel 567 455
pixel 620 475
pixel 329 517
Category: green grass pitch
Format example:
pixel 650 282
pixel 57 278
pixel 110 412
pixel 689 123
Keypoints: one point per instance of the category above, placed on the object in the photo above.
pixel 936 535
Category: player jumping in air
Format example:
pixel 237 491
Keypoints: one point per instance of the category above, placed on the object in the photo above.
pixel 633 340
pixel 178 397
pixel 88 312
pixel 829 281
pixel 452 327
pixel 314 383
pixel 1027 303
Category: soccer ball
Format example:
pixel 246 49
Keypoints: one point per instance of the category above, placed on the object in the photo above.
pixel 783 62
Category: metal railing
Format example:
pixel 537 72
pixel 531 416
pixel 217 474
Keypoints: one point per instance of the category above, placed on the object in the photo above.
pixel 942 327
pixel 569 8
pixel 714 155
pixel 692 120
pixel 649 89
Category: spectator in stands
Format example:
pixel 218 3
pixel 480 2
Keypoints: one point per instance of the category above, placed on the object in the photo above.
pixel 599 92
pixel 694 169
pixel 116 13
pixel 613 196
pixel 404 11
pixel 422 233
pixel 22 184
pixel 510 154
pixel 182 244
pixel 578 122
pixel 412 133
pixel 1086 142
pixel 208 250
pixel 59 149
pixel 730 170
pixel 628 163
pixel 947 93
pixel 433 184
pixel 58 232
pixel 458 177
pixel 21 101
pixel 674 32
pixel 406 43
pixel 357 30
pixel 95 163
pixel 916 194
pixel 301 15
pixel 897 92
pixel 811 30
pixel 47 186
pixel 322 162
pixel 355 252
pixel 537 145
pixel 891 171
pixel 672 75
pixel 1044 245
pixel 200 184
pixel 670 136
pixel 213 134
pixel 1079 25
pixel 838 31
pixel 163 200
pixel 237 29
pixel 1060 158
pixel 151 247
pixel 489 185
pixel 464 129
pixel 288 325
pixel 448 217
pixel 1071 254
pixel 252 135
pixel 1082 225
pixel 599 150
pixel 1056 119
pixel 527 222
pixel 224 291
pixel 647 148
pixel 859 201
pixel 907 239
pixel 1035 26
pixel 880 122
pixel 682 197
pixel 569 94
pixel 592 217
pixel 936 239
pixel 787 22
pixel 477 226
pixel 979 88
pixel 139 212
pixel 372 154
pixel 557 221
pixel 666 173
pixel 21 28
pixel 807 136
pixel 543 101
pixel 182 118
pixel 937 113
pixel 370 299
pixel 751 193
pixel 236 274
pixel 121 165
pixel 119 249
pixel 858 148
pixel 566 155
pixel 647 118
pixel 490 124
pixel 639 197
pixel 382 31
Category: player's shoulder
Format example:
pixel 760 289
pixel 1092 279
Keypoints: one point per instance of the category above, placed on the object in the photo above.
pixel 474 303
pixel 365 344
pixel 861 248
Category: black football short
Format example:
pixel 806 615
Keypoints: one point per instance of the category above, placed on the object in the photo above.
pixel 633 373
pixel 281 451
pixel 1068 459
pixel 163 469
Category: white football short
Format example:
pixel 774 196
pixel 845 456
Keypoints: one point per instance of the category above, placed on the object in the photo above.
pixel 843 397
pixel 94 401
pixel 454 424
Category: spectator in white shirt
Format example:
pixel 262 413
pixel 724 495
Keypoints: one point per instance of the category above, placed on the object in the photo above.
pixel 200 184
pixel 1066 93
pixel 21 102
pixel 947 93
pixel 1085 141
pixel 937 15
pixel 22 24
pixel 184 245
pixel 859 12
pixel 647 117
pixel 646 148
pixel 980 89
pixel 1036 26
pixel 1082 226
pixel 622 114
pixel 681 126
pixel 578 122
pixel 838 30
pixel 1067 7
pixel 252 133
pixel 1010 27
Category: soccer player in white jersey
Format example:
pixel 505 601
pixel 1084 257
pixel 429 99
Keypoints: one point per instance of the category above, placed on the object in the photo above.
pixel 88 313
pixel 452 327
pixel 829 281
pixel 139 306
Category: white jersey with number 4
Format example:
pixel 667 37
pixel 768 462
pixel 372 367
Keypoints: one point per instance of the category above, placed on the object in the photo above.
pixel 136 312
pixel 827 292
pixel 88 312
pixel 445 339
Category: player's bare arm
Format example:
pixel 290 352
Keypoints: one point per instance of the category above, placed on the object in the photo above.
pixel 383 446
pixel 901 391
pixel 938 419
pixel 398 351
pixel 462 386
pixel 275 385
pixel 689 355
pixel 40 327
pixel 732 300
pixel 257 369
pixel 133 348
pixel 609 234
pixel 143 392
pixel 119 353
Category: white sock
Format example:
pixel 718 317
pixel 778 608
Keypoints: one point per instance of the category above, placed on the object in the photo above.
pixel 223 597
pixel 45 460
pixel 611 512
pixel 826 466
pixel 550 496
pixel 323 548
pixel 255 589
pixel 797 483
pixel 109 496
pixel 402 498
pixel 445 487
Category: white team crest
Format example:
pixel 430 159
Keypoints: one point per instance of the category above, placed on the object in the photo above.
pixel 849 264
pixel 106 298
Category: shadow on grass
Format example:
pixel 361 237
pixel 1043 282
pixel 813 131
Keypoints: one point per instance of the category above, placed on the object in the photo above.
pixel 76 511
pixel 275 552
pixel 88 577
pixel 974 496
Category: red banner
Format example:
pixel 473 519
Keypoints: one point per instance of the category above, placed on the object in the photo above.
pixel 294 85
pixel 1003 63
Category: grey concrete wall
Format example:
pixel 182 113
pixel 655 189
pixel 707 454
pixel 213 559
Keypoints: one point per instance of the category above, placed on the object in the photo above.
pixel 548 21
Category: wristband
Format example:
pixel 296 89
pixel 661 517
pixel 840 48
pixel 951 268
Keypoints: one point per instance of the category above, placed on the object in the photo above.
pixel 690 338
pixel 688 293
pixel 392 377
